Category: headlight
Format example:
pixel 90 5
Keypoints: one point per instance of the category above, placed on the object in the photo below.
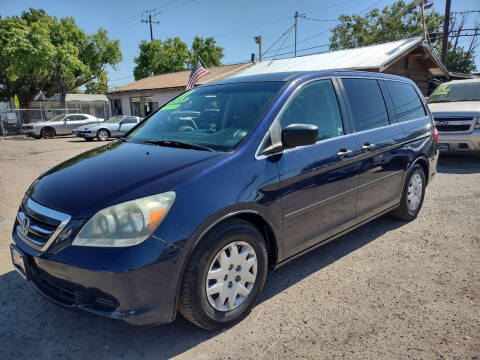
pixel 125 224
pixel 477 124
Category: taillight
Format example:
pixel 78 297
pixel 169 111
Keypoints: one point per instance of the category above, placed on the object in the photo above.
pixel 435 134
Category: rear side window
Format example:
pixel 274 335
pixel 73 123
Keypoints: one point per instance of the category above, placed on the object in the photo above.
pixel 366 102
pixel 129 120
pixel 405 100
pixel 315 104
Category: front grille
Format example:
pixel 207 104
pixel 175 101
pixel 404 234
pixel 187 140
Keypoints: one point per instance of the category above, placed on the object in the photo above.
pixel 452 127
pixel 453 118
pixel 38 225
pixel 449 124
pixel 27 127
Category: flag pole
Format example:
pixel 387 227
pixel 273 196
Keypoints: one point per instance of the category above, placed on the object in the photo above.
pixel 203 64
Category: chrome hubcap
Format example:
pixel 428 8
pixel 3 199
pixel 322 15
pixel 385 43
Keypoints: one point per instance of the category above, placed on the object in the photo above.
pixel 415 189
pixel 231 276
pixel 103 135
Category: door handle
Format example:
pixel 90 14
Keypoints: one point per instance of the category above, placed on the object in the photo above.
pixel 367 146
pixel 344 152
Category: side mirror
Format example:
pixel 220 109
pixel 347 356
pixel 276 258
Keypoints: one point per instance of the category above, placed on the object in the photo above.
pixel 299 135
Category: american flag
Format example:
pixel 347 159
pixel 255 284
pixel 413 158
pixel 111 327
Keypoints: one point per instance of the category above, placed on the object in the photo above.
pixel 197 73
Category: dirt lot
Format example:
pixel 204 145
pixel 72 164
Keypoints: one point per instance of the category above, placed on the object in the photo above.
pixel 387 290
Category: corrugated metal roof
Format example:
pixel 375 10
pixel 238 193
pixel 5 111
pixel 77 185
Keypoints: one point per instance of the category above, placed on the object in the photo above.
pixel 180 79
pixel 85 97
pixel 72 97
pixel 369 57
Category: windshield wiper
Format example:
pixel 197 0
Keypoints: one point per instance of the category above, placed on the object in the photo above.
pixel 178 144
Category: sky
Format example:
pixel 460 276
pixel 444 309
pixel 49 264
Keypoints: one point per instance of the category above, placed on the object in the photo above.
pixel 233 24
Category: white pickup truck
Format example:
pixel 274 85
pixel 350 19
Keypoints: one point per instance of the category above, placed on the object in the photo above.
pixel 456 110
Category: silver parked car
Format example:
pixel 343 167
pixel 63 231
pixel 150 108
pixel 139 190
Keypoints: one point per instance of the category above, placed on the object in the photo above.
pixel 114 127
pixel 59 125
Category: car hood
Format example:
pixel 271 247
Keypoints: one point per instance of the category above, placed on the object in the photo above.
pixel 460 107
pixel 115 173
pixel 47 123
pixel 92 127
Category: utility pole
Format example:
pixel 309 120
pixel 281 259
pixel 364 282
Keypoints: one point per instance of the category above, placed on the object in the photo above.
pixel 422 12
pixel 296 17
pixel 446 25
pixel 258 40
pixel 153 13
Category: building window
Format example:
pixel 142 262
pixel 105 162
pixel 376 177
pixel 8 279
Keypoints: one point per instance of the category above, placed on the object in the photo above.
pixel 117 107
pixel 142 106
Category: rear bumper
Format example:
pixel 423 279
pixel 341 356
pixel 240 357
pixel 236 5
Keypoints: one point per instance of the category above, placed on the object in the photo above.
pixel 110 282
pixel 461 142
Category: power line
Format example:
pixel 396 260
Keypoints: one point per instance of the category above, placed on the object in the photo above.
pixel 330 29
pixel 313 19
pixel 281 36
pixel 465 12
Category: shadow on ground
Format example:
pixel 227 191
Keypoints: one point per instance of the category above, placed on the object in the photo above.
pixel 32 326
pixel 459 163
pixel 95 141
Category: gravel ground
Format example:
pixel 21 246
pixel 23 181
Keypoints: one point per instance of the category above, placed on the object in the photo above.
pixel 387 290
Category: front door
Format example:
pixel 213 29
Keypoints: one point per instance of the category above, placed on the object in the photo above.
pixel 72 122
pixel 318 183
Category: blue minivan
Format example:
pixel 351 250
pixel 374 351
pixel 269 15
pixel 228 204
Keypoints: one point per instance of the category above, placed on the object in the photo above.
pixel 190 209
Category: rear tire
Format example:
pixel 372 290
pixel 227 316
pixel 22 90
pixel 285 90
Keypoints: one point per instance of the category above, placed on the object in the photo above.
pixel 103 135
pixel 236 251
pixel 412 195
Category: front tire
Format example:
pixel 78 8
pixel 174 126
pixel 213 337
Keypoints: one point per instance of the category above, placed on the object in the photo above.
pixel 224 276
pixel 47 133
pixel 103 135
pixel 412 195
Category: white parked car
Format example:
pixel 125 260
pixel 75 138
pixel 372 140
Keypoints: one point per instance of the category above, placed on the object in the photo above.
pixel 116 126
pixel 59 125
pixel 456 110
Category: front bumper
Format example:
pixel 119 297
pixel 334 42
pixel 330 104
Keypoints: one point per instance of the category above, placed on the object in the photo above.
pixel 84 134
pixel 136 284
pixel 31 132
pixel 465 142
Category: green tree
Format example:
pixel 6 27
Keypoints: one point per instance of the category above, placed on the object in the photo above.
pixel 38 52
pixel 160 57
pixel 98 86
pixel 24 52
pixel 78 58
pixel 461 61
pixel 376 27
pixel 207 49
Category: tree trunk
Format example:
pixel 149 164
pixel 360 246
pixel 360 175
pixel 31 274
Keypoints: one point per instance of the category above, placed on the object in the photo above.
pixel 62 92
pixel 26 118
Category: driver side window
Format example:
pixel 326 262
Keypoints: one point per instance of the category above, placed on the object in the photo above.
pixel 315 104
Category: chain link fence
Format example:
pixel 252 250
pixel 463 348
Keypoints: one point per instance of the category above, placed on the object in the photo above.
pixel 11 121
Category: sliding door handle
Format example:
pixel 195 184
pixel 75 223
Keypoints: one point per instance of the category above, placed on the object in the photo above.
pixel 367 146
pixel 344 152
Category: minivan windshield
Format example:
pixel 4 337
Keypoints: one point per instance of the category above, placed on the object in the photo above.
pixel 215 117
pixel 461 91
